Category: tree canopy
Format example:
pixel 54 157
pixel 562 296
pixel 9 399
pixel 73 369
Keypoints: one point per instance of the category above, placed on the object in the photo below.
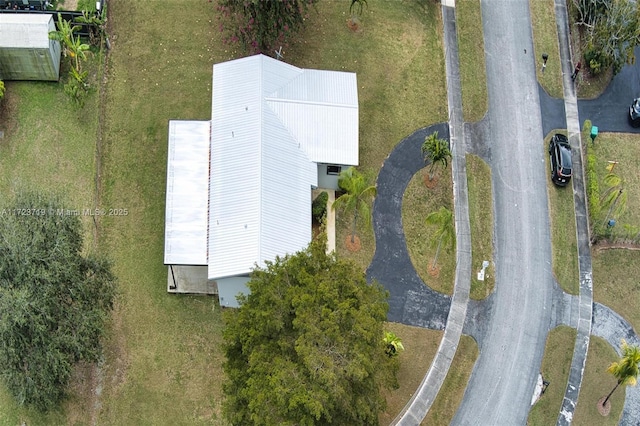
pixel 357 195
pixel 54 300
pixel 625 370
pixel 612 30
pixel 259 25
pixel 306 345
pixel 436 151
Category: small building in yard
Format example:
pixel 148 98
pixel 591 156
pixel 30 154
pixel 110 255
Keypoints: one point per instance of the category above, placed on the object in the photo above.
pixel 26 52
pixel 239 186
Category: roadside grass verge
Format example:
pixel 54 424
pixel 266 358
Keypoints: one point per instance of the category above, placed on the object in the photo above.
pixel 446 403
pixel 597 383
pixel 545 40
pixel 556 365
pixel 481 221
pixel 417 203
pixel 420 346
pixel 564 244
pixel 398 57
pixel 472 61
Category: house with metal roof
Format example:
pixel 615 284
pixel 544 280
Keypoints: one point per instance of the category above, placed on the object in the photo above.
pixel 276 132
pixel 26 52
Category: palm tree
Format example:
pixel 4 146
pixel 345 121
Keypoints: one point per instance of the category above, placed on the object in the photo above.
pixel 71 45
pixel 435 150
pixel 446 233
pixel 356 198
pixel 626 369
pixel 393 344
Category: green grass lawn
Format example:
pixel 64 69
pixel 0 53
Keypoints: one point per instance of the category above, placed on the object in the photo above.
pixel 417 203
pixel 545 40
pixel 481 222
pixel 624 150
pixel 555 369
pixel 472 61
pixel 563 231
pixel 420 346
pixel 446 403
pixel 597 383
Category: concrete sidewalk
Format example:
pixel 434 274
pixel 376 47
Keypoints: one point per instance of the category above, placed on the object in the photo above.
pixel 417 408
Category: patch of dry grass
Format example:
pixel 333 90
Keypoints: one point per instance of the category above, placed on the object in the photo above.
pixel 472 61
pixel 452 391
pixel 556 365
pixel 481 222
pixel 545 40
pixel 420 346
pixel 418 201
pixel 625 150
pixel 597 383
pixel 615 281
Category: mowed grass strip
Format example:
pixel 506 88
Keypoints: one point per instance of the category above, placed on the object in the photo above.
pixel 597 383
pixel 556 365
pixel 422 243
pixel 398 57
pixel 450 396
pixel 481 222
pixel 563 230
pixel 545 40
pixel 472 61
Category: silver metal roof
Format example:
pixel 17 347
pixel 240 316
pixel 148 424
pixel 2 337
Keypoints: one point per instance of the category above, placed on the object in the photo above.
pixel 25 30
pixel 186 220
pixel 271 122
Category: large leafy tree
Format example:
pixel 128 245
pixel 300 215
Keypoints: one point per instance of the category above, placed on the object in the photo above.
pixel 612 29
pixel 436 151
pixel 306 345
pixel 626 369
pixel 53 299
pixel 356 198
pixel 260 25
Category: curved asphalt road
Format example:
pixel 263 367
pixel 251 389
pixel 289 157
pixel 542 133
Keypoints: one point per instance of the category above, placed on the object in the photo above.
pixel 503 380
pixel 410 300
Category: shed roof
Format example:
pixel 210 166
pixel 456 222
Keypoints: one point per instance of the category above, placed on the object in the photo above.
pixel 186 219
pixel 271 123
pixel 25 30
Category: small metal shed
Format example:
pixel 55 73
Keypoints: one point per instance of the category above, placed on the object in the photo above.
pixel 26 52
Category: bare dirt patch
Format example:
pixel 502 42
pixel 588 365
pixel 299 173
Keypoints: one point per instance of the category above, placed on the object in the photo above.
pixel 353 243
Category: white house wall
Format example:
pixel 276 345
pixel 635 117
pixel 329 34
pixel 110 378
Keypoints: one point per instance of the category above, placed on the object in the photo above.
pixel 229 288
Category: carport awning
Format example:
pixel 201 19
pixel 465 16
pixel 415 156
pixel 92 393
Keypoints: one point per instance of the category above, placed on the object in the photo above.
pixel 186 219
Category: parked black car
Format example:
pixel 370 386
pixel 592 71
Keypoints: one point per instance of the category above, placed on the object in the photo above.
pixel 560 159
pixel 634 113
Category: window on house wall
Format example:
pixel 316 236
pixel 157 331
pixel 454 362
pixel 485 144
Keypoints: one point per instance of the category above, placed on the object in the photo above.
pixel 333 170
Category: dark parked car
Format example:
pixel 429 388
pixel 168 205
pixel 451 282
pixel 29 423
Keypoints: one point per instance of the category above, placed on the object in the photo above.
pixel 560 156
pixel 634 113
